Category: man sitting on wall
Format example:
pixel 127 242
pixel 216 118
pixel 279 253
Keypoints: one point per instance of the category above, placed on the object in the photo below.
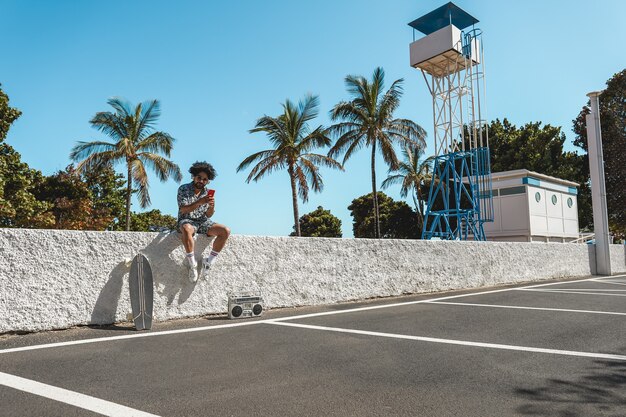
pixel 196 205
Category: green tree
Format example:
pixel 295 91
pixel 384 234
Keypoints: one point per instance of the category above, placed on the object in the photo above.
pixel 319 223
pixel 18 205
pixel 540 149
pixel 397 219
pixel 151 221
pixel 91 201
pixel 367 120
pixel 414 175
pixel 69 198
pixel 293 142
pixel 108 196
pixel 613 126
pixel 8 115
pixel 135 143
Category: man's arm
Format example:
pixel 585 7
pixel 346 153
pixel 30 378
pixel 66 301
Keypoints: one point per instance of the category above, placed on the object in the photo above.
pixel 191 207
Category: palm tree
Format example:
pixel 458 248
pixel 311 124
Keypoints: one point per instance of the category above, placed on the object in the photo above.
pixel 134 142
pixel 293 142
pixel 368 120
pixel 414 175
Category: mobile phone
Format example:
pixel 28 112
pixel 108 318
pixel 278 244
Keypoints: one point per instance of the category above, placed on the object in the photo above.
pixel 211 193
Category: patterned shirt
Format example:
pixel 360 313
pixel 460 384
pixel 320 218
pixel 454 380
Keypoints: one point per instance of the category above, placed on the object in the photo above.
pixel 186 196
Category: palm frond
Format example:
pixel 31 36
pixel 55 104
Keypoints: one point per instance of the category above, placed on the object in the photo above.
pixel 84 149
pixel 392 180
pixel 150 112
pixel 121 106
pixel 163 167
pixel 110 124
pixel 97 161
pixel 274 128
pixel 312 173
pixel 308 108
pixel 388 152
pixel 160 142
pixel 256 156
pixel 349 110
pixel 266 166
pixel 140 179
pixel 318 138
pixel 322 160
pixel 301 181
pixel 390 101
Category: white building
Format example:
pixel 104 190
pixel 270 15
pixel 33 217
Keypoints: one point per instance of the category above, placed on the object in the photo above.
pixel 532 207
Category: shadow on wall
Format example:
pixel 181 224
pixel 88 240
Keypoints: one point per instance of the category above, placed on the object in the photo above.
pixel 592 258
pixel 106 305
pixel 166 254
pixel 599 390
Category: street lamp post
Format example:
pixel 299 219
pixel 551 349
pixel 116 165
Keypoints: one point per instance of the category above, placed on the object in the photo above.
pixel 598 188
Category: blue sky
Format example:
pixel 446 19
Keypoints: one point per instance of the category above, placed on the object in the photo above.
pixel 216 67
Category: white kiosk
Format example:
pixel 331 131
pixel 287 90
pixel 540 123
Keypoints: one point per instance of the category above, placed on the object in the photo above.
pixel 533 207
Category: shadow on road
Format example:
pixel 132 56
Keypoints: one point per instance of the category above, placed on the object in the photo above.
pixel 600 390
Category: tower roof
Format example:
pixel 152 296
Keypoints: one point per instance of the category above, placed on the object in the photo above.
pixel 442 17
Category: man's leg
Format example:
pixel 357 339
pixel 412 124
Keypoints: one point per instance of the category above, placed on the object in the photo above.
pixel 221 234
pixel 187 231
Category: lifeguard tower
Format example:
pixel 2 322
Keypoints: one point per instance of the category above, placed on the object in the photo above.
pixel 450 57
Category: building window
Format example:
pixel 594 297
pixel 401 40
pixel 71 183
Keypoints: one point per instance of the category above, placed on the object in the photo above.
pixel 512 190
pixel 537 196
pixel 570 202
pixel 554 199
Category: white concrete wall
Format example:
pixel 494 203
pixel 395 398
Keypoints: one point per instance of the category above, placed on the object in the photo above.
pixel 53 279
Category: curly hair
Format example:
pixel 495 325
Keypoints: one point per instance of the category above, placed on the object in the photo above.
pixel 198 167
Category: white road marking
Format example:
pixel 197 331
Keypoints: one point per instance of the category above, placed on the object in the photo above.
pixel 565 310
pixel 457 342
pixel 353 310
pixel 609 282
pixel 248 323
pixel 571 292
pixel 70 397
pixel 129 336
pixel 584 289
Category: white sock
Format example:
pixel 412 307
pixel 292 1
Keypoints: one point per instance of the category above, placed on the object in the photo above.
pixel 191 257
pixel 211 258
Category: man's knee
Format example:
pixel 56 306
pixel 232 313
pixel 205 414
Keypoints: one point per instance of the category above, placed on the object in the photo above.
pixel 219 230
pixel 187 229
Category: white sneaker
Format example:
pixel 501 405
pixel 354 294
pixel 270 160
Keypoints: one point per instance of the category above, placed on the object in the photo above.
pixel 206 266
pixel 192 267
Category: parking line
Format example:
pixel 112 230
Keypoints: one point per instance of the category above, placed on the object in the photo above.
pixel 565 310
pixel 301 316
pixel 456 342
pixel 76 399
pixel 584 289
pixel 358 309
pixel 609 282
pixel 569 292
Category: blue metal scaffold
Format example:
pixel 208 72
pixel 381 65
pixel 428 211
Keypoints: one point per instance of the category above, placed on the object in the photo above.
pixel 451 60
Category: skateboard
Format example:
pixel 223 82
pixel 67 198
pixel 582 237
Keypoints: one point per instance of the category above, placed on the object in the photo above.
pixel 141 292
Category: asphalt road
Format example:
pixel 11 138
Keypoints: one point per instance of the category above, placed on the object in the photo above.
pixel 548 350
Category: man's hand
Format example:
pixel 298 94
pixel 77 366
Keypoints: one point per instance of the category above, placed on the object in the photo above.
pixel 211 202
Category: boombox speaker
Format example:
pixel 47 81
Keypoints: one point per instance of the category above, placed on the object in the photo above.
pixel 244 305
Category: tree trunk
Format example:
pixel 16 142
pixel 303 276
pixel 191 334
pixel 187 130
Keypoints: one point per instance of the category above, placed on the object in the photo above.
pixel 420 210
pixel 294 197
pixel 375 194
pixel 129 191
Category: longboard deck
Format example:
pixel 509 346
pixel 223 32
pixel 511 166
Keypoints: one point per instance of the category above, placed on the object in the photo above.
pixel 141 292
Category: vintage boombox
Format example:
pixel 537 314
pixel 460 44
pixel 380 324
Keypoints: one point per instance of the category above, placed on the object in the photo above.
pixel 244 305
